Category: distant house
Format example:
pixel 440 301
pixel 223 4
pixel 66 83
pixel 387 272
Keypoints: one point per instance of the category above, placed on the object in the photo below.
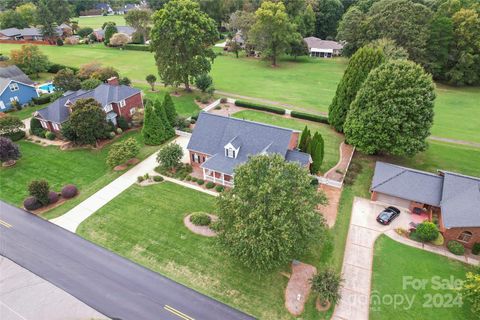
pixel 100 33
pixel 15 86
pixel 116 100
pixel 219 144
pixel 450 198
pixel 127 7
pixel 104 8
pixel 323 48
pixel 32 34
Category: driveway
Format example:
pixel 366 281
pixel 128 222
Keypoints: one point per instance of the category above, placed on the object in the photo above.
pixel 358 258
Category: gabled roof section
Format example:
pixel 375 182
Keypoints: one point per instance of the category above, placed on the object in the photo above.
pixel 13 72
pixel 10 32
pixel 407 183
pixel 302 158
pixel 313 42
pixel 461 200
pixel 213 132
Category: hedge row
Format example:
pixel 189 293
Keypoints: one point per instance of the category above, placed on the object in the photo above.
pixel 137 47
pixel 55 67
pixel 47 98
pixel 262 107
pixel 308 116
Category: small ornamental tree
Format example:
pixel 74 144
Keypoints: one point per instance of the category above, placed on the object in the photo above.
pixel 151 81
pixel 471 290
pixel 393 111
pixel 10 125
pixel 30 59
pixel 110 29
pixel 120 152
pixel 125 81
pixel 359 66
pixel 203 82
pixel 65 80
pixel 427 231
pixel 169 156
pixel 8 150
pixel 105 73
pixel 39 189
pixel 326 284
pixel 36 127
pixel 269 217
pixel 169 107
pixel 84 32
pixel 87 70
pixel 153 130
pixel 90 84
pixel 87 121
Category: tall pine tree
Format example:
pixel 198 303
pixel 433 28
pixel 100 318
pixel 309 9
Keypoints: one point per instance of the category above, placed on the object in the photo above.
pixel 161 113
pixel 304 139
pixel 317 152
pixel 359 66
pixel 169 107
pixel 153 131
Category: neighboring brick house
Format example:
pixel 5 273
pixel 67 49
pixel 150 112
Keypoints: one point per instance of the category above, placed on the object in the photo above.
pixel 15 86
pixel 323 48
pixel 219 144
pixel 116 100
pixel 452 198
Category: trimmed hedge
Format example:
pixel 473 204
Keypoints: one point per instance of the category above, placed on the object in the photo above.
pixel 200 219
pixel 219 188
pixel 157 178
pixel 456 247
pixel 210 185
pixel 261 107
pixel 47 98
pixel 137 47
pixel 308 116
pixel 55 67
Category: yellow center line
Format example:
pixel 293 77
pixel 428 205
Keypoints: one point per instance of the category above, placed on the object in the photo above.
pixel 5 224
pixel 177 313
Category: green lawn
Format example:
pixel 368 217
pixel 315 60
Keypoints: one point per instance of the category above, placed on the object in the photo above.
pixel 184 104
pixel 395 265
pixel 27 112
pixel 332 139
pixel 308 84
pixel 85 168
pixel 96 22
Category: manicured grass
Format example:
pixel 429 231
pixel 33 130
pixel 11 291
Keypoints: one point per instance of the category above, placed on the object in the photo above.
pixel 28 111
pixel 331 138
pixel 96 22
pixel 307 84
pixel 184 104
pixel 85 168
pixel 395 264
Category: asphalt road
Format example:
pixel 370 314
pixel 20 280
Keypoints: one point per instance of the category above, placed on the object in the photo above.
pixel 110 284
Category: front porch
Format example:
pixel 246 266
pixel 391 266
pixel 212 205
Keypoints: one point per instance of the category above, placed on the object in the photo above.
pixel 217 177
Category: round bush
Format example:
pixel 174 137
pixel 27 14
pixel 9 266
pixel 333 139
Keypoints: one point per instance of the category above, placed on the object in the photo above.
pixel 476 248
pixel 119 130
pixel 439 241
pixel 456 247
pixel 140 179
pixel 52 197
pixel 210 185
pixel 200 219
pixel 427 231
pixel 31 203
pixel 69 191
pixel 200 182
pixel 111 135
pixel 188 178
pixel 50 135
pixel 219 188
pixel 157 178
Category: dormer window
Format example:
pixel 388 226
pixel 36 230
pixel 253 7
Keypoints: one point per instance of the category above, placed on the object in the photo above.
pixel 230 152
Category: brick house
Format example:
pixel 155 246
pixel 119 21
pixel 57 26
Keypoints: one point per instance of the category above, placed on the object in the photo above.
pixel 450 198
pixel 219 144
pixel 116 100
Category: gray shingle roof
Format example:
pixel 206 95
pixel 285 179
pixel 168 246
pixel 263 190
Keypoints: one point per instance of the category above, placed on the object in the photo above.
pixel 460 201
pixel 407 183
pixel 313 42
pixel 298 156
pixel 104 94
pixel 120 29
pixel 213 132
pixel 10 32
pixel 14 72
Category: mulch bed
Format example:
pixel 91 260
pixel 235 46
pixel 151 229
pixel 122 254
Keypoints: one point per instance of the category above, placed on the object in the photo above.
pixel 200 230
pixel 51 206
pixel 298 287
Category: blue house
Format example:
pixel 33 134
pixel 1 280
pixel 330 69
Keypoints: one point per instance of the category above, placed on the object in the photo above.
pixel 15 86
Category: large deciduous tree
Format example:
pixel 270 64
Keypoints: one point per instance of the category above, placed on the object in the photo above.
pixel 329 13
pixel 181 38
pixel 65 80
pixel 269 217
pixel 30 59
pixel 273 31
pixel 351 30
pixel 393 111
pixel 87 121
pixel 359 66
pixel 12 19
pixel 140 20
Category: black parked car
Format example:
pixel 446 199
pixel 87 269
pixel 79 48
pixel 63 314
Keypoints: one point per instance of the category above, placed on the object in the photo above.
pixel 388 215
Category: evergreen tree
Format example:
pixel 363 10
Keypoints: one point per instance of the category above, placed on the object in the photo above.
pixel 169 107
pixel 304 139
pixel 161 113
pixel 393 111
pixel 153 130
pixel 317 152
pixel 359 66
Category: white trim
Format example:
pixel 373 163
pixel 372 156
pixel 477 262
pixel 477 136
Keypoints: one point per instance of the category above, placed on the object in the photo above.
pixel 15 85
pixel 28 85
pixel 56 126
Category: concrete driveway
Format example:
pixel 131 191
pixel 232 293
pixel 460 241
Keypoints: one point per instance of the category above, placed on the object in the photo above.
pixel 358 259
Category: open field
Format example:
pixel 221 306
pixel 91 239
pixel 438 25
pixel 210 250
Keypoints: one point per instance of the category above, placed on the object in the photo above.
pixel 331 138
pixel 308 84
pixel 96 22
pixel 84 168
pixel 393 262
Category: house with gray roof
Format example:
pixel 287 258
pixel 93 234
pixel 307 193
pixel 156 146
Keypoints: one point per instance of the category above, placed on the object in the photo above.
pixel 450 198
pixel 116 101
pixel 100 33
pixel 32 34
pixel 16 88
pixel 219 144
pixel 323 48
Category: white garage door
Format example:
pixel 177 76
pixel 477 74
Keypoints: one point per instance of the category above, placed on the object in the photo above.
pixel 394 201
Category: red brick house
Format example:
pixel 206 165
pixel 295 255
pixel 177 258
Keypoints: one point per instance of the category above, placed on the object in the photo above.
pixel 116 100
pixel 219 144
pixel 450 199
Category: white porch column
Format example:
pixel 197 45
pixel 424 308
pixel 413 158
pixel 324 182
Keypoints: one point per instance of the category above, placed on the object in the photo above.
pixel 204 176
pixel 223 178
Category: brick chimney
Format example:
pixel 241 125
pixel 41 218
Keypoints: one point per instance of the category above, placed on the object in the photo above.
pixel 113 81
